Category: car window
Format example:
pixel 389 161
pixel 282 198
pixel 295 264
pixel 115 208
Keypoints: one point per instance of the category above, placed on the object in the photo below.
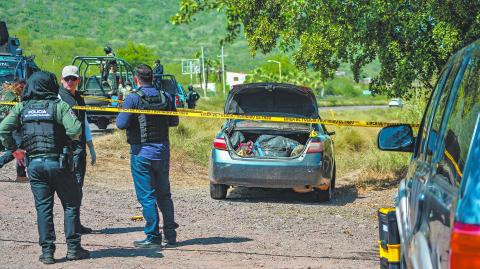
pixel 434 129
pixel 422 133
pixel 461 124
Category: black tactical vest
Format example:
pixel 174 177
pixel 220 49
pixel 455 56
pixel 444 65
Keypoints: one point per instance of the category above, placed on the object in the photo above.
pixel 149 128
pixel 41 134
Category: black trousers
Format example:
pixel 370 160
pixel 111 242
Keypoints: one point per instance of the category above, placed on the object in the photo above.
pixel 79 178
pixel 46 178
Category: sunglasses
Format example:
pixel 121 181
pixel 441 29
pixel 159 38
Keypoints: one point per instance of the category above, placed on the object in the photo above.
pixel 70 78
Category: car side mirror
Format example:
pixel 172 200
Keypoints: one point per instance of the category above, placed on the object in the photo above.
pixel 396 138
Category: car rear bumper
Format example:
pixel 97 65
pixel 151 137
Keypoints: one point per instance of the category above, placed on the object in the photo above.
pixel 269 173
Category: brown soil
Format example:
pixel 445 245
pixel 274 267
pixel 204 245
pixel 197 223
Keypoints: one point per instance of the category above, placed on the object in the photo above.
pixel 251 228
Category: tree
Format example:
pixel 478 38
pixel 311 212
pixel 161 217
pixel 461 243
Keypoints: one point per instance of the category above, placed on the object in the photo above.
pixel 411 39
pixel 136 54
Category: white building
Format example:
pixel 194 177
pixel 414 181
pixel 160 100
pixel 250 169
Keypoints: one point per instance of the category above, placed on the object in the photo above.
pixel 234 78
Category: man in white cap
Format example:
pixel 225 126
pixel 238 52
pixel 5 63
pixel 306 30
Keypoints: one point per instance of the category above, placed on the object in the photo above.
pixel 68 93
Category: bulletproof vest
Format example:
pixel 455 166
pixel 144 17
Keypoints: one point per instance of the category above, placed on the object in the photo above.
pixel 149 128
pixel 41 134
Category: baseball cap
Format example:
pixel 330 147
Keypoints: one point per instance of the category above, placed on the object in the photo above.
pixel 70 70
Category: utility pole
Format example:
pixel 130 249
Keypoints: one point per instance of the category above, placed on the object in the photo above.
pixel 203 76
pixel 223 70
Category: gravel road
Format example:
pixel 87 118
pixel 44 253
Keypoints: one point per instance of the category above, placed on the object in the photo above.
pixel 253 228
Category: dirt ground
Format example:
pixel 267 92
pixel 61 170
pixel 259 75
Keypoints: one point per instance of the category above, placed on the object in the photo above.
pixel 253 228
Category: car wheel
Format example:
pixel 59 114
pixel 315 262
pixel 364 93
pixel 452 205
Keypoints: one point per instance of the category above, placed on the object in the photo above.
pixel 334 176
pixel 218 191
pixel 323 195
pixel 102 123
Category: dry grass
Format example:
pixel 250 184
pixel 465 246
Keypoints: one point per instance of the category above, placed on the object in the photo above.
pixel 113 165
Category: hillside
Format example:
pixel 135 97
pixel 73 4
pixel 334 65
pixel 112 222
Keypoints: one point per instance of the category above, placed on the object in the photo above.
pixel 115 23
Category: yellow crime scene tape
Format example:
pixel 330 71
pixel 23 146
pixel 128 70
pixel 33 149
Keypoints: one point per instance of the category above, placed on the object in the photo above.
pixel 219 115
pixel 101 99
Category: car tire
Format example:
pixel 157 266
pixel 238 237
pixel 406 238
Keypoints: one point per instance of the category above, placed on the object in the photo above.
pixel 102 123
pixel 323 195
pixel 218 191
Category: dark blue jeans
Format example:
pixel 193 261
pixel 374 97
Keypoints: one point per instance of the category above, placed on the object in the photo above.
pixel 46 178
pixel 153 192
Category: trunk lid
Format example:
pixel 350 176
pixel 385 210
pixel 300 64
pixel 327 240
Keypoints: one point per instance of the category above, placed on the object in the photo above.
pixel 272 99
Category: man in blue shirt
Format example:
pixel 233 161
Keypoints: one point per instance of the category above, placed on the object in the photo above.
pixel 150 156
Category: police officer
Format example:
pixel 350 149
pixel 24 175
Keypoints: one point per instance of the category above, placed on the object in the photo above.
pixel 68 93
pixel 150 155
pixel 48 126
pixel 192 97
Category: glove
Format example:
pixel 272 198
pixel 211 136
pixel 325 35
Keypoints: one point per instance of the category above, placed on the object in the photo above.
pixel 19 155
pixel 93 155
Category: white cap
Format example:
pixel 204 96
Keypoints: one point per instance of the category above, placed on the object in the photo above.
pixel 70 70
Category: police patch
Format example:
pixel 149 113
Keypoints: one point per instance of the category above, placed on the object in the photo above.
pixel 70 111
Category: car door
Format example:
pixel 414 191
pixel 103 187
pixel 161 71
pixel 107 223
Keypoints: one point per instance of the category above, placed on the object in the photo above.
pixel 419 169
pixel 449 161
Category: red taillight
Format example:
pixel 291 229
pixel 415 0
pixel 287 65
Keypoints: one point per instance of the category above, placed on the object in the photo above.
pixel 177 100
pixel 220 143
pixel 465 246
pixel 315 147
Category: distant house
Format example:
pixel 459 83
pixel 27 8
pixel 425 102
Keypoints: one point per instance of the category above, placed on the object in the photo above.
pixel 234 78
pixel 340 73
pixel 211 86
pixel 366 80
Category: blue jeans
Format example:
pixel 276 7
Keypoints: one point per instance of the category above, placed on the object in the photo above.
pixel 153 192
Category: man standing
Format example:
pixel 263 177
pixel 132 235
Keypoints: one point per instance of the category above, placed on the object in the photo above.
pixel 192 97
pixel 158 68
pixel 68 93
pixel 150 156
pixel 48 126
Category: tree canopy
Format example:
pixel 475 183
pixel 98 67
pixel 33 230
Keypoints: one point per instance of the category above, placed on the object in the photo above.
pixel 411 39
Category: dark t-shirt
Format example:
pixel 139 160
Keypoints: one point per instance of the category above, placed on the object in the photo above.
pixel 75 100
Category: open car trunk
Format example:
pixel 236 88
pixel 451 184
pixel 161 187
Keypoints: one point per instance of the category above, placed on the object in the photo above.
pixel 268 140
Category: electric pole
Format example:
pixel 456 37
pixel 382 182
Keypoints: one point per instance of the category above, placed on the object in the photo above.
pixel 223 70
pixel 203 76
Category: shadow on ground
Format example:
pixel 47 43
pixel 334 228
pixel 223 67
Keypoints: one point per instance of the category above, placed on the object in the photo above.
pixel 119 230
pixel 213 241
pixel 343 195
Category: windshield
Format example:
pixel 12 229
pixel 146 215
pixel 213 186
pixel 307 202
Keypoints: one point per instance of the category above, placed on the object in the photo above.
pixel 7 71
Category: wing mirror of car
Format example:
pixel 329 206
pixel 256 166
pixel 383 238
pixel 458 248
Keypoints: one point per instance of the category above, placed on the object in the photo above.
pixel 396 138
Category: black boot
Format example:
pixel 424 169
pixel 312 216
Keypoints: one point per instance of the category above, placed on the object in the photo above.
pixel 47 254
pixel 170 238
pixel 47 258
pixel 77 253
pixel 84 230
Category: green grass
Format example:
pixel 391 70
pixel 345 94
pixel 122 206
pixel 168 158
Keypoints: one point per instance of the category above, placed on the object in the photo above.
pixel 357 155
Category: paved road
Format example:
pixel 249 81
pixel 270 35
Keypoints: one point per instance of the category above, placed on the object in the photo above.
pixel 336 108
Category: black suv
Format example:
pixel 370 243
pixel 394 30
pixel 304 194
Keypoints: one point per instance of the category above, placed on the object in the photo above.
pixel 438 203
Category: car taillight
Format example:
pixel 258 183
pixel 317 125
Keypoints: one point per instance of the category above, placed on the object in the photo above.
pixel 220 143
pixel 177 100
pixel 315 147
pixel 465 246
